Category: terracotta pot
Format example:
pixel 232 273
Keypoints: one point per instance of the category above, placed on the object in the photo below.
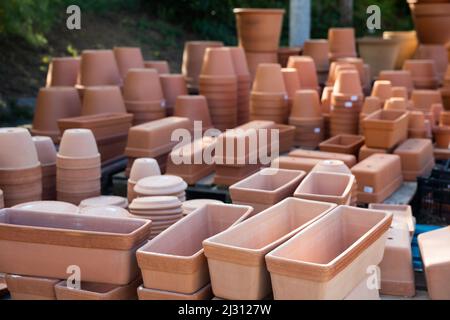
pixel 30 288
pixel 19 140
pixel 63 72
pixel 89 242
pixel 98 68
pixel 417 158
pixel 53 104
pixel 429 20
pixel 285 52
pixel 194 108
pixel 173 85
pixel 104 201
pixel 302 274
pixel 342 43
pixel 436 259
pixel 78 143
pixel 378 177
pixel 161 66
pixel 306 104
pixel 128 58
pixel 45 149
pixel 193 58
pixel 218 62
pixel 103 99
pixel 294 163
pixel 269 79
pixel 181 266
pixel 259 30
pixel 407 42
pixel 318 50
pixel 151 294
pixel 438 53
pixel 236 261
pixel 402 215
pixel 385 129
pixel 401 92
pixel 141 168
pixel 349 160
pixel 424 99
pixel 382 89
pixel 368 47
pixel 347 84
pixel 396 104
pixel 444 119
pixel 349 144
pixel 442 136
pixel 423 72
pixel 306 70
pixel 142 85
pixel 254 59
pixel 398 78
pixel 335 68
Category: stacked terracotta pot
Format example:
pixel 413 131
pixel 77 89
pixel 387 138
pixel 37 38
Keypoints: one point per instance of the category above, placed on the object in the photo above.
pixel 437 53
pixel 163 211
pixel 442 132
pixel 318 50
pixel 342 43
pixel 195 108
pixel 218 83
pixel 161 66
pixel 78 171
pixel 142 168
pixel 284 53
pixel 407 43
pixel 268 99
pixel 46 152
pixel 306 116
pixel 417 125
pixel 423 72
pixel 243 82
pixel 144 96
pixel 398 78
pixel 259 32
pixel 102 99
pixel 173 85
pixel 63 72
pixel 128 58
pixel 20 169
pixel 292 84
pixel 347 100
pixel 306 70
pixel 445 90
pixel 161 185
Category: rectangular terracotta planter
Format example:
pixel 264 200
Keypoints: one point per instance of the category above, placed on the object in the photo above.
pixel 98 291
pixel 329 258
pixel 366 152
pixel 363 292
pixel 401 214
pixel 378 177
pixel 45 244
pixel 31 288
pixel 295 163
pixel 385 128
pixel 174 260
pixel 343 143
pixel 204 293
pixel 266 188
pixel 236 257
pixel 153 138
pixel 326 187
pixel 286 137
pixel 193 166
pixel 348 159
pixel 417 158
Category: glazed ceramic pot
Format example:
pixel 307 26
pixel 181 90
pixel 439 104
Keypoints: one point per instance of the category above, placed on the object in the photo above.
pixel 204 293
pixel 180 266
pixel 31 288
pixel 173 85
pixel 259 30
pixel 318 50
pixel 407 42
pixel 342 43
pixel 53 104
pixel 98 68
pixel 382 89
pixel 398 78
pixel 438 53
pixel 368 48
pixel 128 58
pixel 302 274
pixel 417 158
pixel 434 249
pixel 378 176
pixel 430 19
pixel 385 129
pixel 193 59
pixel 92 243
pixel 63 72
pixel 236 261
pixel 102 99
pixel 161 66
pixel 306 70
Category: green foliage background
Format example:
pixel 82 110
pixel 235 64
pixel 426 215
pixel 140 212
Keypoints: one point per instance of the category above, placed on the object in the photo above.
pixel 209 19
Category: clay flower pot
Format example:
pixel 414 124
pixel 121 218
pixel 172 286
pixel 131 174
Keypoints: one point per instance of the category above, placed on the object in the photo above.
pixel 53 104
pixel 396 104
pixel 371 104
pixel 218 62
pixel 417 158
pixel 401 92
pixel 302 274
pixel 424 99
pixel 407 43
pixel 318 50
pixel 442 136
pixel 102 99
pixel 259 30
pixel 398 78
pixel 343 144
pixel 444 119
pixel 46 150
pixel 236 261
pixel 173 85
pixel 161 66
pixel 368 47
pixel 193 59
pixel 141 168
pixel 63 72
pixel 385 129
pixel 326 187
pixel 306 70
pixel 269 79
pixel 291 82
pixel 306 104
pixel 423 72
pixel 100 241
pixel 128 58
pixel 347 84
pixel 180 266
pixel 24 155
pixel 342 43
pixel 98 68
pixel 349 160
pixel 382 89
pixel 30 288
pixel 78 143
pixel 438 53
pixel 142 85
pixel 194 108
pixel 431 22
pixel 285 52
pixel 254 59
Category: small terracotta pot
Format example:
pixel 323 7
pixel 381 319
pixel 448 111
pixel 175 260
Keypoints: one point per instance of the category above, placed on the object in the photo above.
pixel 24 155
pixel 383 90
pixel 259 30
pixel 218 62
pixel 371 104
pixel 424 99
pixel 347 84
pixel 102 99
pixel 78 143
pixel 63 72
pixel 398 78
pixel 173 85
pixel 195 108
pixel 359 65
pixel 368 48
pixel 128 58
pixel 269 79
pixel 98 68
pixel 46 150
pixel 142 85
pixel 285 52
pixel 318 50
pixel 438 53
pixel 401 92
pixel 306 70
pixel 254 59
pixel 306 104
pixel 442 136
pixel 407 42
pixel 423 72
pixel 161 66
pixel 444 119
pixel 53 104
pixel 342 43
pixel 416 120
pixel 396 104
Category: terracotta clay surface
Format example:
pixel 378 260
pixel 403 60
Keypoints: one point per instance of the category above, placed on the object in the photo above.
pixel 417 158
pixel 295 163
pixel 204 293
pixel 343 143
pixel 31 288
pixel 385 128
pixel 402 214
pixel 329 258
pixel 236 261
pixel 349 160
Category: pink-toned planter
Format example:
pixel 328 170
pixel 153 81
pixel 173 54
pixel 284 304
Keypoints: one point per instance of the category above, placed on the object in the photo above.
pixel 98 68
pixel 63 72
pixel 417 158
pixel 102 99
pixel 161 66
pixel 128 58
pixel 31 288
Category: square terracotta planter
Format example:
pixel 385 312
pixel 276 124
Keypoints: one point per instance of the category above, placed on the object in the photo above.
pixel 326 187
pixel 378 177
pixel 44 244
pixel 266 188
pixel 236 260
pixel 385 128
pixel 435 250
pixel 98 291
pixel 417 158
pixel 329 258
pixel 348 159
pixel 31 288
pixel 343 143
pixel 402 214
pixel 295 163
pixel 204 293
pixel 174 261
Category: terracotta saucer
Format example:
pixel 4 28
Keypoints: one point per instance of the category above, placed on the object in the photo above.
pixel 48 206
pixel 104 201
pixel 160 185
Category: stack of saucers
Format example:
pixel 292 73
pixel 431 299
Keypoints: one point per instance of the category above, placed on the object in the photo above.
pixel 164 185
pixel 163 211
pixel 104 201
